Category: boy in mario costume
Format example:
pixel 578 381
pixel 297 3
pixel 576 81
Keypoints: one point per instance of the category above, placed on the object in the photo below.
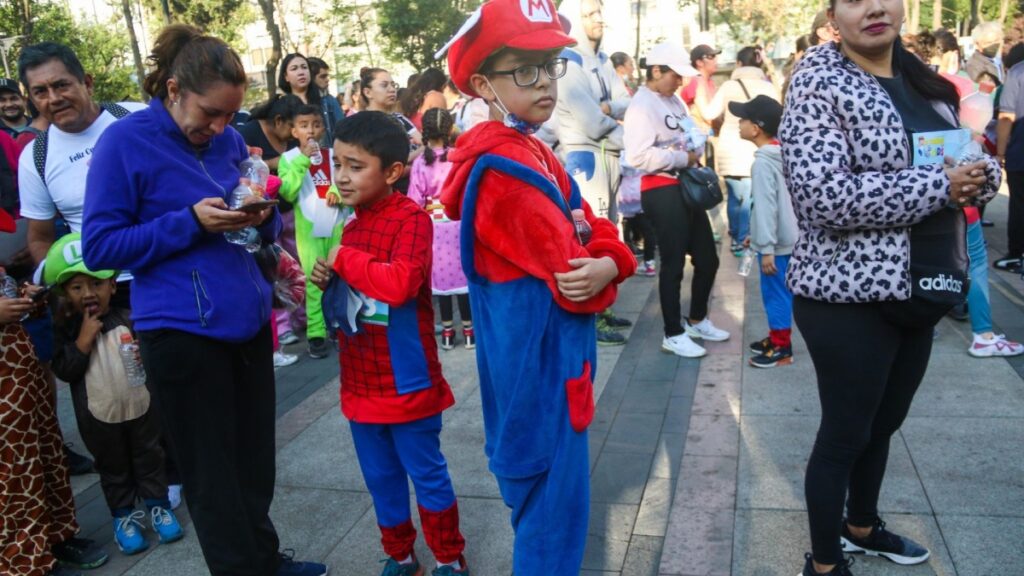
pixel 534 282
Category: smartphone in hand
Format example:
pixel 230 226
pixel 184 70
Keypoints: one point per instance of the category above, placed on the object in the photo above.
pixel 254 207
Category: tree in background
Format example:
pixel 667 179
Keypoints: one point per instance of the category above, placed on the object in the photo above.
pixel 224 19
pixel 103 48
pixel 413 30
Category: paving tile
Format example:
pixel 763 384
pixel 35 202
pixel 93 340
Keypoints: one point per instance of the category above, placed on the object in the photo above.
pixel 604 555
pixel 698 541
pixel 620 478
pixel 950 390
pixel 966 463
pixel 707 482
pixel 612 521
pixel 646 397
pixel 643 556
pixel 712 436
pixel 637 433
pixel 985 545
pixel 652 518
pixel 667 455
pixel 677 417
pixel 656 365
pixel 718 396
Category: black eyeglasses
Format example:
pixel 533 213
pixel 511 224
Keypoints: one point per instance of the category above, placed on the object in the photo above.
pixel 526 76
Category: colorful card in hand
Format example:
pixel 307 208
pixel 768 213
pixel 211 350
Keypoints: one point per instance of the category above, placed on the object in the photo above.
pixel 933 147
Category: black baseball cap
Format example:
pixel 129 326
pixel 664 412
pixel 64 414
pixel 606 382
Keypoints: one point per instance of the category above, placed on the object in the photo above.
pixel 10 85
pixel 763 110
pixel 700 51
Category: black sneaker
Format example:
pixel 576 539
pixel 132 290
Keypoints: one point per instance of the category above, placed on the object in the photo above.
pixel 987 223
pixel 1009 263
pixel 772 357
pixel 841 569
pixel 77 463
pixel 80 553
pixel 608 337
pixel 881 542
pixel 318 348
pixel 614 322
pixel 761 345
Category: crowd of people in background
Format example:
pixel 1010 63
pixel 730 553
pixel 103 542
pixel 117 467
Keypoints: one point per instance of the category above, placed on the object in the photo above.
pixel 519 188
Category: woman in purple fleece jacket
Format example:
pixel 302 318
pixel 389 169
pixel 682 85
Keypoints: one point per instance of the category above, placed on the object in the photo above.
pixel 156 204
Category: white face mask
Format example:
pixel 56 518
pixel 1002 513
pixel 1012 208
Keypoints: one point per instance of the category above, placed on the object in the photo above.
pixel 509 119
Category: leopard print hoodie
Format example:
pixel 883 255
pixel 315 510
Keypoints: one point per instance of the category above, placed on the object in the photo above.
pixel 847 163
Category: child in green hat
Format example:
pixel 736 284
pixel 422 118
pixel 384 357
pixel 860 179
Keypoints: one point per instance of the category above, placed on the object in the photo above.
pixel 96 353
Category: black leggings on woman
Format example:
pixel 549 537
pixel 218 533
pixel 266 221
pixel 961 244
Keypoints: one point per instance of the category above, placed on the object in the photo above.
pixel 681 231
pixel 448 310
pixel 868 371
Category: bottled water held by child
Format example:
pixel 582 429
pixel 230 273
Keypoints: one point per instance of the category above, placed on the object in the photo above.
pixel 583 229
pixel 132 360
pixel 248 237
pixel 316 158
pixel 746 262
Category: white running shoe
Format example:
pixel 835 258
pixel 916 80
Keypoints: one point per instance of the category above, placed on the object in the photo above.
pixel 706 330
pixel 681 345
pixel 997 346
pixel 287 338
pixel 281 359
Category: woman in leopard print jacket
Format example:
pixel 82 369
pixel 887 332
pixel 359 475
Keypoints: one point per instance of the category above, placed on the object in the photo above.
pixel 850 109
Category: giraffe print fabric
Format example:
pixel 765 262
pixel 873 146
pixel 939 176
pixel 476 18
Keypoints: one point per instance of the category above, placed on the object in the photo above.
pixel 36 502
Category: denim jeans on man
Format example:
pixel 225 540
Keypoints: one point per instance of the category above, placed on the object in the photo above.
pixel 738 207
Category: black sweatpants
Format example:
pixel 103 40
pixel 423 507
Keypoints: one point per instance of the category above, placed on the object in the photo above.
pixel 448 309
pixel 681 231
pixel 216 402
pixel 639 226
pixel 868 371
pixel 128 455
pixel 1015 218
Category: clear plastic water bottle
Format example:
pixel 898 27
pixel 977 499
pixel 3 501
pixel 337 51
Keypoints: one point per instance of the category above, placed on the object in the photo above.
pixel 129 351
pixel 259 172
pixel 316 158
pixel 248 237
pixel 746 262
pixel 583 229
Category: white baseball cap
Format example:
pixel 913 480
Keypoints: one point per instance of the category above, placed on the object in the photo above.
pixel 673 56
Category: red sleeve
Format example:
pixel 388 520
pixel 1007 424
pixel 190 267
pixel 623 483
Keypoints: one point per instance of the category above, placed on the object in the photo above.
pixel 605 242
pixel 524 227
pixel 10 149
pixel 398 281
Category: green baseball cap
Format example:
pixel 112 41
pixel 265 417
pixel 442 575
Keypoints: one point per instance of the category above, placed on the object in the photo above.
pixel 64 260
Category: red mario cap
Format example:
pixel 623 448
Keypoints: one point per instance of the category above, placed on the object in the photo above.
pixel 497 24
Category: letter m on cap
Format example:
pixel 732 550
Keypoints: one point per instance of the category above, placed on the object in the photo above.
pixel 537 10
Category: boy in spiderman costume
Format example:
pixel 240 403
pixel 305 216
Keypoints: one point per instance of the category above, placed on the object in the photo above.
pixel 392 389
pixel 535 281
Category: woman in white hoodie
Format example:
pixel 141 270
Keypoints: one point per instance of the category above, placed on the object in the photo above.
pixel 656 145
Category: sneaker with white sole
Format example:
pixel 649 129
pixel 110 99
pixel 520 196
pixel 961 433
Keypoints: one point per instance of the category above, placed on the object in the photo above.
pixel 647 269
pixel 682 345
pixel 281 359
pixel 165 524
pixel 128 533
pixel 998 345
pixel 841 569
pixel 706 331
pixel 287 338
pixel 881 542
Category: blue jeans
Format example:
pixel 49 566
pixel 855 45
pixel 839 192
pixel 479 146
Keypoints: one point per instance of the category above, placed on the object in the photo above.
pixel 738 208
pixel 977 297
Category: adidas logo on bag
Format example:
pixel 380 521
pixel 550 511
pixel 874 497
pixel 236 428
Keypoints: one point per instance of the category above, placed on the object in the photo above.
pixel 941 283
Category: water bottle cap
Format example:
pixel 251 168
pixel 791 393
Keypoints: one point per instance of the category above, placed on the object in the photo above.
pixel 126 338
pixel 255 151
pixel 578 214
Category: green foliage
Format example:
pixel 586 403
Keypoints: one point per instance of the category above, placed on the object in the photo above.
pixel 221 18
pixel 103 48
pixel 413 30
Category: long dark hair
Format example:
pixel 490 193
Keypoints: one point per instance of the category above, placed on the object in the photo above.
pixel 195 60
pixel 437 125
pixel 283 106
pixel 312 92
pixel 366 77
pixel 431 79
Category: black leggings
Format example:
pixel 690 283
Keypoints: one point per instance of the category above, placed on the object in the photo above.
pixel 681 231
pixel 639 226
pixel 448 311
pixel 868 371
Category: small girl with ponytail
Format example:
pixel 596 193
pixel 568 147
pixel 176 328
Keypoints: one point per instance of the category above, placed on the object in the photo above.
pixel 429 171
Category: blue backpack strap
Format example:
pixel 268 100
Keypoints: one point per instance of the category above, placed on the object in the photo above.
pixel 518 171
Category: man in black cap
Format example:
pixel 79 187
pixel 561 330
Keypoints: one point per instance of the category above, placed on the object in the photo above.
pixel 13 118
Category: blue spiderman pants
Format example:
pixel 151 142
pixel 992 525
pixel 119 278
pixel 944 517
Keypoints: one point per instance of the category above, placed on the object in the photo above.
pixel 391 454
